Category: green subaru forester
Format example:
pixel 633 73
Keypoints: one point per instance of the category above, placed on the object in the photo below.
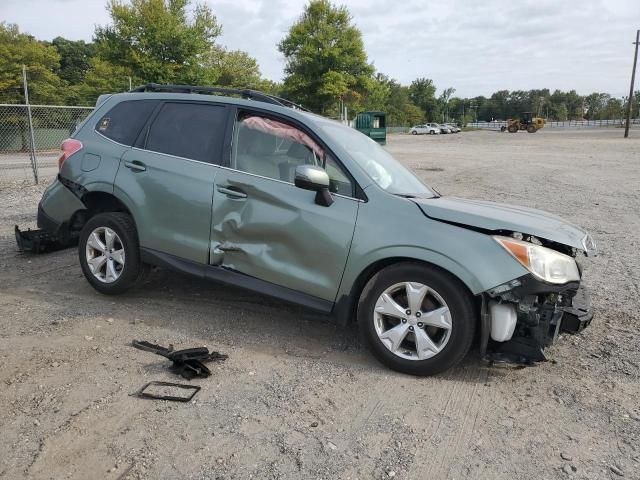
pixel 248 189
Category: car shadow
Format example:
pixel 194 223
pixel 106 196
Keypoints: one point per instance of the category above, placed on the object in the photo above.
pixel 234 316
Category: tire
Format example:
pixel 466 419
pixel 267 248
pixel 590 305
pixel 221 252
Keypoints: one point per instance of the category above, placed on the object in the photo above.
pixel 413 132
pixel 532 129
pixel 432 132
pixel 512 128
pixel 127 269
pixel 443 291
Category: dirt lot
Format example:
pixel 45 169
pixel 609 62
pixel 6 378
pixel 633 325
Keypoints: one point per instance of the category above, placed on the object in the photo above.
pixel 298 396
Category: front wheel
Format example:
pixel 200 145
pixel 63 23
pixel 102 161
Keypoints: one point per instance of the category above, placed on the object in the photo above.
pixel 432 132
pixel 110 254
pixel 417 319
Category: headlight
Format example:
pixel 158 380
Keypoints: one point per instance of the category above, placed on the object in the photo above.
pixel 544 263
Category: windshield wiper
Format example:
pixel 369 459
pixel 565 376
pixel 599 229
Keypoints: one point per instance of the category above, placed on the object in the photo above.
pixel 405 195
pixel 413 195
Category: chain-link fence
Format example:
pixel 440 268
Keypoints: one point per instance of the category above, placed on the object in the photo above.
pixel 30 138
pixel 620 122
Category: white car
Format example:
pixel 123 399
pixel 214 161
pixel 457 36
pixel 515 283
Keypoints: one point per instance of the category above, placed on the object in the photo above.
pixel 453 128
pixel 424 129
pixel 443 128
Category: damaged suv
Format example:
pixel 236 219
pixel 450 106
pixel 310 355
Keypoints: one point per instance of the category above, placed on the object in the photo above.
pixel 248 189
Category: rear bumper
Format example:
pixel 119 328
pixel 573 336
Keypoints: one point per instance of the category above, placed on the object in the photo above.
pixel 55 214
pixel 47 223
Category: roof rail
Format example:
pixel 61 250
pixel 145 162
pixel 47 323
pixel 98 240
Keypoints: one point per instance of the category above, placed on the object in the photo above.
pixel 244 93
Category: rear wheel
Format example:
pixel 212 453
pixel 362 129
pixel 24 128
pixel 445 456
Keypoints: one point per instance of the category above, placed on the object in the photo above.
pixel 532 129
pixel 432 132
pixel 513 128
pixel 413 132
pixel 110 254
pixel 416 319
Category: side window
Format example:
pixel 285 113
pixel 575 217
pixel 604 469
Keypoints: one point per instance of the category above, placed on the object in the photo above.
pixel 189 130
pixel 273 149
pixel 124 121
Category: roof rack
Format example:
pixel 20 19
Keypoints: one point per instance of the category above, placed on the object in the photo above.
pixel 243 93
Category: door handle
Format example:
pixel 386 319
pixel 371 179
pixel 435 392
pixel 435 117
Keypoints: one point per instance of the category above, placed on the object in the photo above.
pixel 232 192
pixel 135 166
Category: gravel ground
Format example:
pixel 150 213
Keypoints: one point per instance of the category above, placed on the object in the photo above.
pixel 298 396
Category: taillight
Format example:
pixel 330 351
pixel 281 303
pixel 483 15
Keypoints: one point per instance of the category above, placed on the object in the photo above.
pixel 68 147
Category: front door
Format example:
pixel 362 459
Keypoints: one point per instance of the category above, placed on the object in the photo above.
pixel 266 227
pixel 168 184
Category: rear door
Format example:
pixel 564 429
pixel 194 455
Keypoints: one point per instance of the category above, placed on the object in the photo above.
pixel 167 181
pixel 266 227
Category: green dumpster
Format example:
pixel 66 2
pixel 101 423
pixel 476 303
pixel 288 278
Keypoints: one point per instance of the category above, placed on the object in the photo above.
pixel 373 125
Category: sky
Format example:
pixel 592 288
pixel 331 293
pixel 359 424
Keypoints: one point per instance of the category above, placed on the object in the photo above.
pixel 474 46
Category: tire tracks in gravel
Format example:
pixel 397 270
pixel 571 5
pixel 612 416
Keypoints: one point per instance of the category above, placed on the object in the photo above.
pixel 465 395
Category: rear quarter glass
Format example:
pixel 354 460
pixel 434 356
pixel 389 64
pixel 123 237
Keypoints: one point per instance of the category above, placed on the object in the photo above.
pixel 125 120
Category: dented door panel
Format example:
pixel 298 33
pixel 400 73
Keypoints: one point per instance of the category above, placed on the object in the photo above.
pixel 274 231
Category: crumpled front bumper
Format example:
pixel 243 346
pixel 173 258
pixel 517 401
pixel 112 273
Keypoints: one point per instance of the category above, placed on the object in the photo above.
pixel 578 316
pixel 543 312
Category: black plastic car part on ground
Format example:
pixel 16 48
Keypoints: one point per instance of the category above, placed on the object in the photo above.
pixel 39 241
pixel 188 363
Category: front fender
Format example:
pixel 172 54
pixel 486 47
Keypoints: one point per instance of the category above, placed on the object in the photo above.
pixel 396 230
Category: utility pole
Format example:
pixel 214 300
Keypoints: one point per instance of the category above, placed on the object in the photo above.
pixel 633 79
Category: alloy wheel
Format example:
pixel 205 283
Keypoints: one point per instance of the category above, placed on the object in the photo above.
pixel 412 321
pixel 105 254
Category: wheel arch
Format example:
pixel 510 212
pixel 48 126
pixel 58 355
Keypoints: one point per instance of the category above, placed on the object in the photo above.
pixel 345 309
pixel 98 201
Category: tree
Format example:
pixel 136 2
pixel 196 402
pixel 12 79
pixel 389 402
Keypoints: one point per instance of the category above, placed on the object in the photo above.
pixel 102 77
pixel 325 59
pixel 422 92
pixel 75 57
pixel 41 61
pixel 595 105
pixel 401 111
pixel 156 40
pixel 233 68
pixel 444 101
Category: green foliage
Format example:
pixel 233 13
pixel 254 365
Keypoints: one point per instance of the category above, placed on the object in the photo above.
pixel 75 57
pixel 41 60
pixel 422 92
pixel 230 69
pixel 102 77
pixel 173 41
pixel 156 40
pixel 391 97
pixel 326 61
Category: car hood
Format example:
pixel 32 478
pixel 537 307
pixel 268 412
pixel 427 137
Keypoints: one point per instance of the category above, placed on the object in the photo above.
pixel 500 217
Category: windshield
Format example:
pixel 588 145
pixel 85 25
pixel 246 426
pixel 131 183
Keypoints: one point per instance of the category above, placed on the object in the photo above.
pixel 383 169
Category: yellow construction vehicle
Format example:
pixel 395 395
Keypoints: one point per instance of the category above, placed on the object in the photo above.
pixel 526 122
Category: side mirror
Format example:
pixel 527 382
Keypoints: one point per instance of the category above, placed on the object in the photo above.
pixel 310 177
